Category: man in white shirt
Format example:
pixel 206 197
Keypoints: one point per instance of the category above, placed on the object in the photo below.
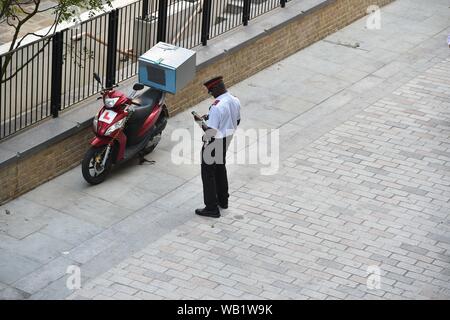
pixel 222 120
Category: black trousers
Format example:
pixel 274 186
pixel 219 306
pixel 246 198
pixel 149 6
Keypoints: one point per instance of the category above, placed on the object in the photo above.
pixel 214 173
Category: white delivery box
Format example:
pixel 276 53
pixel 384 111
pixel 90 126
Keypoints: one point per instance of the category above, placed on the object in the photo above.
pixel 167 67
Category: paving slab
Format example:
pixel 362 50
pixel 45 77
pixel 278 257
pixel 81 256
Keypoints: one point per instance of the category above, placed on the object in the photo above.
pixel 21 218
pixel 13 267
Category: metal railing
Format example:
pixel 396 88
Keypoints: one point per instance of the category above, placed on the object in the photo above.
pixel 55 72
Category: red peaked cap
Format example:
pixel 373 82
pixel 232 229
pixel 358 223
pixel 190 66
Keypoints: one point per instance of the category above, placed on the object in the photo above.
pixel 213 82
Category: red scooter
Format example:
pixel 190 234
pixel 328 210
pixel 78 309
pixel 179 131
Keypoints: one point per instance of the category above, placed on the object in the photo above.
pixel 124 127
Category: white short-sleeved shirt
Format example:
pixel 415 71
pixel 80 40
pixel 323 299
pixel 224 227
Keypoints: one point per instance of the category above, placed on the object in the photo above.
pixel 224 114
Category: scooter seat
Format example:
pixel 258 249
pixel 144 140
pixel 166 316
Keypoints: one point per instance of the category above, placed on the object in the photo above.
pixel 147 100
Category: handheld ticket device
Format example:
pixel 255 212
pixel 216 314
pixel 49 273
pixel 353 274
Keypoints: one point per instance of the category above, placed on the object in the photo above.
pixel 198 117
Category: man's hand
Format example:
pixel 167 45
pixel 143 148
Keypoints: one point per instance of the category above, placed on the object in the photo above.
pixel 199 122
pixel 203 117
pixel 198 119
pixel 209 133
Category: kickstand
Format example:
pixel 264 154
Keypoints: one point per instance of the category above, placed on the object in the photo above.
pixel 142 160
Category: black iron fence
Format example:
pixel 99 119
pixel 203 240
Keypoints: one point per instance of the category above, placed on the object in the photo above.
pixel 55 72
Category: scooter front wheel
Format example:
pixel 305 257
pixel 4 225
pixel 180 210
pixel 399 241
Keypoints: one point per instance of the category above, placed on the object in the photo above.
pixel 92 165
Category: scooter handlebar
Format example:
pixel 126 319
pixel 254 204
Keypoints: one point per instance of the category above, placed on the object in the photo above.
pixel 129 109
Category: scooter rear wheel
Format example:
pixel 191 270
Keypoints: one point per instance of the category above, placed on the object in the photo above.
pixel 151 146
pixel 91 166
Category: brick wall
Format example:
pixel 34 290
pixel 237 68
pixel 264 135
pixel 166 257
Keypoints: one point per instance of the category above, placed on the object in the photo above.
pixel 31 171
pixel 27 173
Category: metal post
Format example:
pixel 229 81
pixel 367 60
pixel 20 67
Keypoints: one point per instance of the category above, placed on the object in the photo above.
pixel 283 3
pixel 144 9
pixel 206 17
pixel 1 86
pixel 162 20
pixel 57 61
pixel 111 58
pixel 246 12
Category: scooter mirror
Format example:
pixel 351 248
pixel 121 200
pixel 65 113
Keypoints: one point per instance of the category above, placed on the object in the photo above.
pixel 138 86
pixel 97 78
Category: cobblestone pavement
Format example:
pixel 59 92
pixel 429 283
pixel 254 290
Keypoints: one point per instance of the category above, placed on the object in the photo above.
pixel 364 183
pixel 374 191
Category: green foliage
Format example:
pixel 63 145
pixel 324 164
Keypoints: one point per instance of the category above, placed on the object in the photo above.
pixel 66 9
pixel 17 13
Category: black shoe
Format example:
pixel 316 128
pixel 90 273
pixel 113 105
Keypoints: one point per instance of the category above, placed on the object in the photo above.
pixel 208 213
pixel 223 205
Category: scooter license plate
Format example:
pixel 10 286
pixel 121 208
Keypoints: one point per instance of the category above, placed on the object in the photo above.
pixel 107 116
